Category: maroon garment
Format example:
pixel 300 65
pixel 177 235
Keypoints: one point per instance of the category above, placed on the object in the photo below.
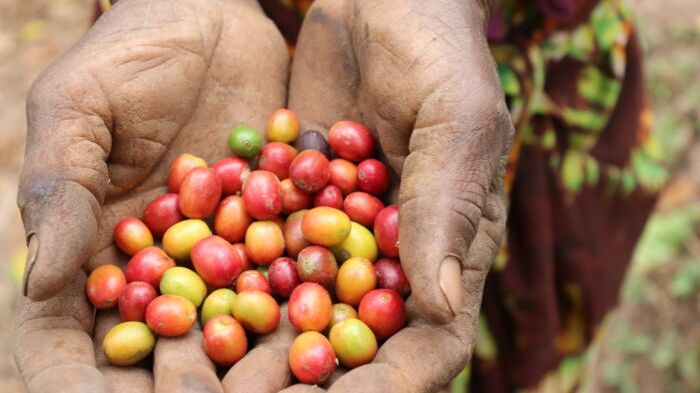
pixel 586 242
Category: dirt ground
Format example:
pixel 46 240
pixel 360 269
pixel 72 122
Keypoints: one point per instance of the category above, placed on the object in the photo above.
pixel 651 344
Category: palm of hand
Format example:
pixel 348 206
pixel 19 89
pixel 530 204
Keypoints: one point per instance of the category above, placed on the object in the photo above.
pixel 149 81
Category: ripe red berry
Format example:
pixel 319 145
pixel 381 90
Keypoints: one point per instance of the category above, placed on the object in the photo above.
pixel 351 140
pixel 262 195
pixel 373 176
pixel 309 171
pixel 330 196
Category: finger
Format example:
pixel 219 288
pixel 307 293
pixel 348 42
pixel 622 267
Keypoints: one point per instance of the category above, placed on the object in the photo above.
pixel 303 388
pixel 128 379
pixel 181 365
pixel 457 154
pixel 300 387
pixel 52 346
pixel 336 375
pixel 322 87
pixel 62 184
pixel 120 379
pixel 417 359
pixel 265 368
pixel 437 231
pixel 373 378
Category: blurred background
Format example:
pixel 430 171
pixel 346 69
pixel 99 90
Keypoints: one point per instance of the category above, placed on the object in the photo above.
pixel 650 343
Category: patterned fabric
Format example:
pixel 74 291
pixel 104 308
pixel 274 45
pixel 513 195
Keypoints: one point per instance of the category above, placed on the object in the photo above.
pixel 582 179
pixel 593 56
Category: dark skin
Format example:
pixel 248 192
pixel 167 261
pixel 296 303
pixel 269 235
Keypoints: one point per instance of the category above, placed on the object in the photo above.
pixel 155 79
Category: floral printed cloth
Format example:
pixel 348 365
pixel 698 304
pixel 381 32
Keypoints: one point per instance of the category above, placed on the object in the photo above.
pixel 594 58
pixel 583 175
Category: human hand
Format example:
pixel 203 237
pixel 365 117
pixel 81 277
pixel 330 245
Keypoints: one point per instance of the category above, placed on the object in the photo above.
pixel 423 78
pixel 150 80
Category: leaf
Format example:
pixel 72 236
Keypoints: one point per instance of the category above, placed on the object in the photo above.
pixel 663 237
pixel 548 139
pixel 582 141
pixel 689 366
pixel 628 182
pixel 654 150
pixel 486 347
pixel 634 289
pixel 587 119
pixel 572 170
pixel 652 175
pixel 460 383
pixel 613 374
pixel 582 42
pixel 540 104
pixel 527 135
pixel 635 344
pixel 509 80
pixel 592 171
pixel 607 25
pixel 686 279
pixel 628 384
pixel 682 286
pixel 594 86
pixel 556 46
pixel 664 354
pixel 569 372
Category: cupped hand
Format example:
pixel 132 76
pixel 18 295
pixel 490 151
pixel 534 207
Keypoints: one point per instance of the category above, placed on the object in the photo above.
pixel 420 75
pixel 150 80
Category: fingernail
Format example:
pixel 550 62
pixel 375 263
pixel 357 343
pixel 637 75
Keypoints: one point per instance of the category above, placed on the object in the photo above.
pixel 450 282
pixel 32 252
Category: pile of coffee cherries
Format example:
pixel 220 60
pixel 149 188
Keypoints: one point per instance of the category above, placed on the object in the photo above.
pixel 228 243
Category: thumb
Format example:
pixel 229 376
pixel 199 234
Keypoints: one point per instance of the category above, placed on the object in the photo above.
pixel 63 181
pixel 452 170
